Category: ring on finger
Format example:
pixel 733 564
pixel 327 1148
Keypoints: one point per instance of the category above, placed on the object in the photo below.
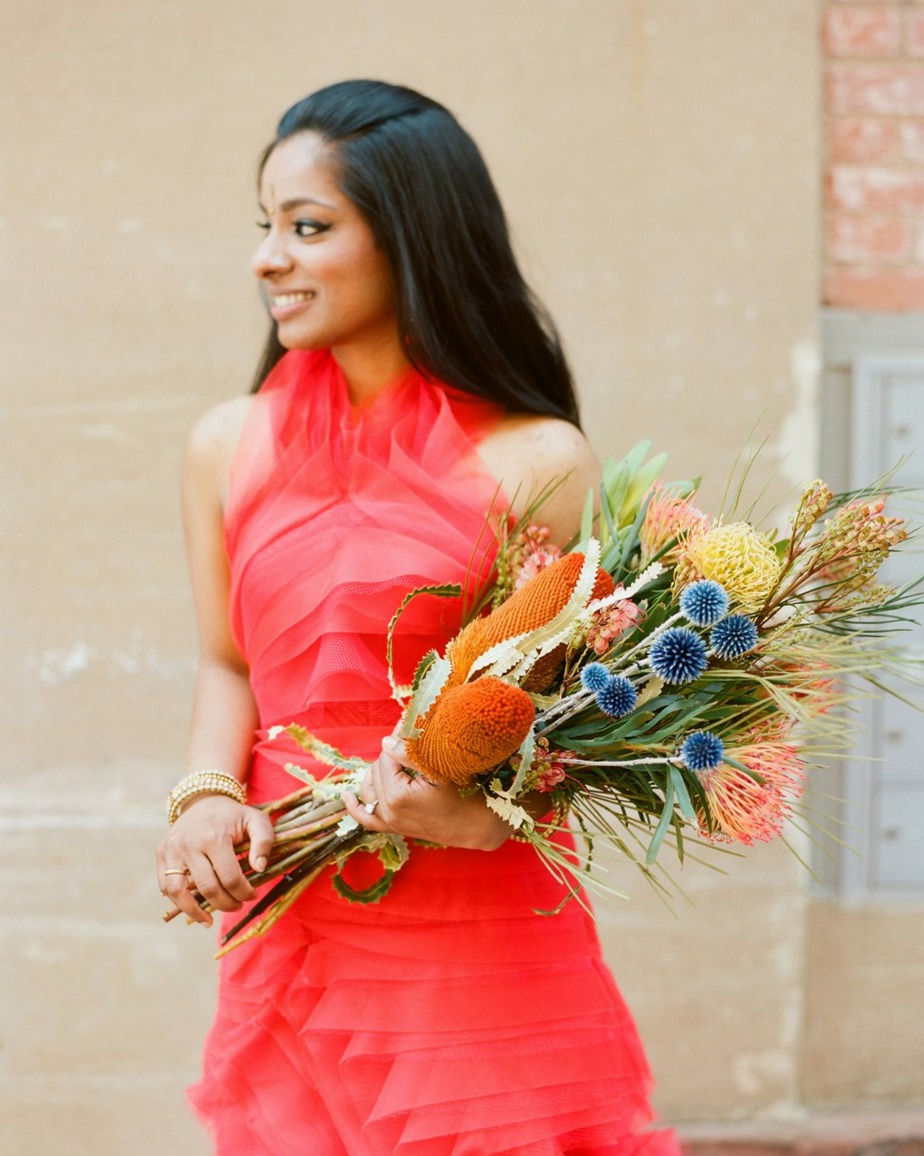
pixel 177 871
pixel 370 808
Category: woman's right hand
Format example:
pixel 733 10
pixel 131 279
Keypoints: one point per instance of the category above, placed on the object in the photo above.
pixel 201 843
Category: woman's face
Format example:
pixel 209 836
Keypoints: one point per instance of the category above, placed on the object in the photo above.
pixel 327 283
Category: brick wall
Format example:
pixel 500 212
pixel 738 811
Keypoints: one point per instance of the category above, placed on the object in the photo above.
pixel 874 188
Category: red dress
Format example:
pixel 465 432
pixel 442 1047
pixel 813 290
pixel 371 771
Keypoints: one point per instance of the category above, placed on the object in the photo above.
pixel 449 1019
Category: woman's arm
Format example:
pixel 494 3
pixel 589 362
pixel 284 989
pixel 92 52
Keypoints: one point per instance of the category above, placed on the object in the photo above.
pixel 525 454
pixel 224 713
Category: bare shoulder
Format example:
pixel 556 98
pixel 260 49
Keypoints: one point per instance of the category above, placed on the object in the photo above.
pixel 215 434
pixel 212 442
pixel 526 452
pixel 218 430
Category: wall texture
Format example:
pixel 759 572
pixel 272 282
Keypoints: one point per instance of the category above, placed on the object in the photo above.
pixel 856 1045
pixel 660 165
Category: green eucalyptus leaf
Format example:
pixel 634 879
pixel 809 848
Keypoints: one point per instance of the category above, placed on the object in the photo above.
pixel 684 802
pixel 664 823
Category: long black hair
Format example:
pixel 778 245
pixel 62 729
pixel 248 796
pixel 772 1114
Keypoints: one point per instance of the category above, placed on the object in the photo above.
pixel 465 315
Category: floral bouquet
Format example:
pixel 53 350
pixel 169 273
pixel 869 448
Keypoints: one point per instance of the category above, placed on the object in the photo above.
pixel 665 681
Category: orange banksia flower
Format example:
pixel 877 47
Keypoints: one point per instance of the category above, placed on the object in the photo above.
pixel 471 728
pixel 529 608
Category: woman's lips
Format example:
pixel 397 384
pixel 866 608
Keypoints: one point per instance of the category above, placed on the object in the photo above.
pixel 284 305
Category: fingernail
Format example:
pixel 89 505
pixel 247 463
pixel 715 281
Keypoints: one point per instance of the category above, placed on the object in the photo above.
pixel 260 863
pixel 389 743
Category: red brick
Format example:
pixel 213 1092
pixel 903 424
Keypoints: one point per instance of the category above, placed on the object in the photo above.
pixel 853 189
pixel 863 32
pixel 876 89
pixel 869 240
pixel 861 140
pixel 914 33
pixel 912 139
pixel 886 290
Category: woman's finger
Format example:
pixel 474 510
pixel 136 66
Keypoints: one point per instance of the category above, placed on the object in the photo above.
pixel 259 830
pixel 178 888
pixel 365 813
pixel 396 749
pixel 207 883
pixel 229 874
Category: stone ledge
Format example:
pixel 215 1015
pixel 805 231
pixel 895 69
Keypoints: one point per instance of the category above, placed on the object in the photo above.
pixel 873 1132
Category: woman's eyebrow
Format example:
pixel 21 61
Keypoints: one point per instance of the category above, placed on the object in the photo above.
pixel 295 202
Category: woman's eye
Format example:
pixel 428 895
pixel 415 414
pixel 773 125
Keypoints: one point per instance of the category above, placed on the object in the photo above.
pixel 264 225
pixel 306 228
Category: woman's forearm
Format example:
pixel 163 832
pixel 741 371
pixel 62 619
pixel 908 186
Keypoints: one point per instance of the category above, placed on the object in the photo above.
pixel 224 719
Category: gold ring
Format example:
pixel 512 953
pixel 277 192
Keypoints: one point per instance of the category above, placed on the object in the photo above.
pixel 177 871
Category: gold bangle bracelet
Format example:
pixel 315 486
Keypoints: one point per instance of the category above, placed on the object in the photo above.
pixel 202 783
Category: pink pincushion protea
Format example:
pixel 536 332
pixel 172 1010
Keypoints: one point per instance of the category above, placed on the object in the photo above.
pixel 746 810
pixel 532 553
pixel 611 623
pixel 667 517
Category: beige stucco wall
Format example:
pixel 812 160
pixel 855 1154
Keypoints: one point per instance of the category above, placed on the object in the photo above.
pixel 659 162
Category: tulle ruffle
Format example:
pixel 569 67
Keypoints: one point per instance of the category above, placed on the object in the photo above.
pixel 449 1019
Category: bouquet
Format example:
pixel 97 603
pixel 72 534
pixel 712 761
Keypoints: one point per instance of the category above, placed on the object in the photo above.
pixel 666 681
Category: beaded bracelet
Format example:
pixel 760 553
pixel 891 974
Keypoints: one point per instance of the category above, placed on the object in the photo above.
pixel 202 783
pixel 559 814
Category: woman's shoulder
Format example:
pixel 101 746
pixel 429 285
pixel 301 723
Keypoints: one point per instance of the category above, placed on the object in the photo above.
pixel 527 452
pixel 216 433
pixel 212 443
pixel 551 435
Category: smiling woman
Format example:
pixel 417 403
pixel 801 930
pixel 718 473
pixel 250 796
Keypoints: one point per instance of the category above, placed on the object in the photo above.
pixel 327 281
pixel 410 382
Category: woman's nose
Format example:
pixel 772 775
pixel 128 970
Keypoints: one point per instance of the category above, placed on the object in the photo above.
pixel 270 257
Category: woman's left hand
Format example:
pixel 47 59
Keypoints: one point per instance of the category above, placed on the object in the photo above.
pixel 408 804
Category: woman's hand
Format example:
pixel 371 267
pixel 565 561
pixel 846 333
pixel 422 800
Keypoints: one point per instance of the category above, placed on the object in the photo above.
pixel 409 804
pixel 201 845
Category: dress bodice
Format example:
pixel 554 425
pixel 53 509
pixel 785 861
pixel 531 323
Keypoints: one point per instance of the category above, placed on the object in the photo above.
pixel 335 512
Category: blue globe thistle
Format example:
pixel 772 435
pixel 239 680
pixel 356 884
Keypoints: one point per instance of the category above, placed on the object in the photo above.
pixel 704 603
pixel 617 697
pixel 702 751
pixel 594 676
pixel 678 656
pixel 733 636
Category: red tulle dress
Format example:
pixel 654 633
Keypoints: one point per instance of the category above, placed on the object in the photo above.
pixel 449 1019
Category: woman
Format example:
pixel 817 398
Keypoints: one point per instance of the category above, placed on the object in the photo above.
pixel 421 385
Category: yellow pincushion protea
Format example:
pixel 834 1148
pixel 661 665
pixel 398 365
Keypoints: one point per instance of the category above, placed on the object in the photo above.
pixel 736 557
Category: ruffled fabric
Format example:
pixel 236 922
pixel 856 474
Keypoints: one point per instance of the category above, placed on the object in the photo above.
pixel 451 1018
